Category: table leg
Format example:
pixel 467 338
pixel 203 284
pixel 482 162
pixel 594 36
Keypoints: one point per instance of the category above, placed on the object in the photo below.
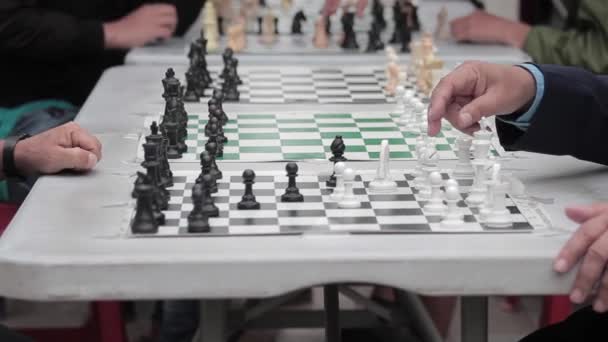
pixel 474 319
pixel 332 313
pixel 212 326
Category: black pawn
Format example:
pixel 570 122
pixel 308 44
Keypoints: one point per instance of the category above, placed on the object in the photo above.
pixel 292 193
pixel 374 42
pixel 209 208
pixel 337 149
pixel 211 148
pixel 276 25
pixel 191 95
pixel 198 222
pixel 350 37
pixel 205 170
pixel 144 221
pixel 173 151
pixel 214 137
pixel 248 201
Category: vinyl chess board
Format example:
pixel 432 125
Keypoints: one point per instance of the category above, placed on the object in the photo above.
pixel 399 212
pixel 311 85
pixel 308 135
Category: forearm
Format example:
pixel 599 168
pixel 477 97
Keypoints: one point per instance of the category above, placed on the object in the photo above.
pixel 571 119
pixel 41 34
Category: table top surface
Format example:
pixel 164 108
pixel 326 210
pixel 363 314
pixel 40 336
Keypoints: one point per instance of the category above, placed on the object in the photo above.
pixel 66 242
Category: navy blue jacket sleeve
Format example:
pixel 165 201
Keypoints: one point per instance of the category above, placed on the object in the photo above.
pixel 572 118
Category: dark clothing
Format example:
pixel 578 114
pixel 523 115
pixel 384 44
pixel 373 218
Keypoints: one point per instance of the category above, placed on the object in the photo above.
pixel 55 49
pixel 584 325
pixel 572 118
pixel 7 335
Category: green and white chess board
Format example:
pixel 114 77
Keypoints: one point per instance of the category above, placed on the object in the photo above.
pixel 295 136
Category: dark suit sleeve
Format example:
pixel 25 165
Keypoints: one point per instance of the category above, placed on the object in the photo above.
pixel 572 118
pixel 43 34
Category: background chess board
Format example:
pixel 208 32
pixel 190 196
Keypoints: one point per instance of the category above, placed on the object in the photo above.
pixel 307 135
pixel 399 212
pixel 311 85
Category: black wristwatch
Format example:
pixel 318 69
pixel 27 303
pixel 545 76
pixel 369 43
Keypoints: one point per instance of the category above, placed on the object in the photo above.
pixel 8 156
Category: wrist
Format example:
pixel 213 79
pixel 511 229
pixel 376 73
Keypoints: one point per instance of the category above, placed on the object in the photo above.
pixel 110 36
pixel 14 157
pixel 516 34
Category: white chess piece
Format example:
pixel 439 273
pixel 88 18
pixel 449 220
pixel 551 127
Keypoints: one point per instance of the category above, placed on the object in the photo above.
pixel 494 178
pixel 454 216
pixel 478 190
pixel 464 168
pixel 435 204
pixel 349 201
pixel 383 181
pixel 338 192
pixel 420 154
pixel 408 107
pixel 481 149
pixel 499 217
pixel 451 182
pixel 399 95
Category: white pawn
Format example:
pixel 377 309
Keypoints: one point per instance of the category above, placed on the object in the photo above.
pixel 454 216
pixel 451 183
pixel 413 125
pixel 338 192
pixel 499 216
pixel 399 95
pixel 349 201
pixel 383 181
pixel 435 204
pixel 408 107
pixel 420 153
pixel 486 208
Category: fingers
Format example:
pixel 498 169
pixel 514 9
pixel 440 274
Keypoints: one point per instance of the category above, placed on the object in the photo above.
pixel 482 106
pixel 580 214
pixel 591 269
pixel 460 27
pixel 84 140
pixel 580 241
pixel 601 302
pixel 76 158
pixel 331 6
pixel 162 9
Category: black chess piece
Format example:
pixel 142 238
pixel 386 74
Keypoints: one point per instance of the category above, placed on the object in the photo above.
pixel 211 148
pixel 260 22
pixel 209 208
pixel 144 221
pixel 398 21
pixel 296 24
pixel 227 56
pixel 205 170
pixel 416 18
pixel 220 25
pixel 328 25
pixel 218 95
pixel 374 42
pixel 248 201
pixel 276 25
pixel 292 193
pixel 165 169
pixel 350 37
pixel 170 84
pixel 221 136
pixel 198 222
pixel 229 88
pixel 191 95
pixel 173 151
pixel 152 166
pixel 378 13
pixel 214 137
pixel 337 149
pixel 406 28
pixel 235 63
pixel 217 100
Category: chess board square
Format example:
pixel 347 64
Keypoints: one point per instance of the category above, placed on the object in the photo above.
pixel 304 97
pixel 303 149
pixel 260 99
pixel 397 220
pixel 246 227
pixel 381 134
pixel 303 156
pixel 301 134
pixel 304 221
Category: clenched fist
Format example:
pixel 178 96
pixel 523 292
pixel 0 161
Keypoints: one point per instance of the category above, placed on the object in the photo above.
pixel 67 147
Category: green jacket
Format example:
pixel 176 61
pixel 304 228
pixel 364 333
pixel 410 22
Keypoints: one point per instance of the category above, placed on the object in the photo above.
pixel 586 46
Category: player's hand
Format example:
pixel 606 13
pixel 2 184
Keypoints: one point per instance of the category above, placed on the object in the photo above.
pixel 67 147
pixel 331 7
pixel 146 24
pixel 589 244
pixel 483 27
pixel 475 90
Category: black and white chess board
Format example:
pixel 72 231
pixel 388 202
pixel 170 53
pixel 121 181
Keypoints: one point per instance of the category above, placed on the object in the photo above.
pixel 398 212
pixel 312 85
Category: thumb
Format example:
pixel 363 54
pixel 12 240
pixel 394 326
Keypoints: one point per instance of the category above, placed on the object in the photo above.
pixel 580 214
pixel 474 111
pixel 78 159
